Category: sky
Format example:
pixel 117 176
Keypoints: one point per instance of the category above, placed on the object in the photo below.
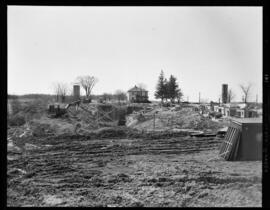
pixel 203 47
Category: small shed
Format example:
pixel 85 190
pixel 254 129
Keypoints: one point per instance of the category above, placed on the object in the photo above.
pixel 243 140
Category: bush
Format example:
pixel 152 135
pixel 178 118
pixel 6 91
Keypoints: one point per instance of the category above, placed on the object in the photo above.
pixel 16 119
pixel 25 110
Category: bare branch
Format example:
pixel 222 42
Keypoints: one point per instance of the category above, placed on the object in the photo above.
pixel 87 83
pixel 246 91
pixel 60 90
pixel 231 95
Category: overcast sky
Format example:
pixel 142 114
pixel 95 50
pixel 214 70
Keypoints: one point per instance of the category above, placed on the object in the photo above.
pixel 122 46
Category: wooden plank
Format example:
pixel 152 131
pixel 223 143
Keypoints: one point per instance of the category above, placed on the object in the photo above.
pixel 235 141
pixel 222 149
pixel 229 147
pixel 227 140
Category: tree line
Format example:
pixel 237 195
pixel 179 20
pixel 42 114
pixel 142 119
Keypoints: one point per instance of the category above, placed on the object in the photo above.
pixel 64 91
pixel 168 89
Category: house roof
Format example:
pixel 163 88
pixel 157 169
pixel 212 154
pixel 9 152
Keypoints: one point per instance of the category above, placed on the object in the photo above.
pixel 137 89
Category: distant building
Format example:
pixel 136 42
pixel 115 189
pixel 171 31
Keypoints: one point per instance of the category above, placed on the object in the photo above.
pixel 230 109
pixel 240 113
pixel 235 109
pixel 251 113
pixel 212 105
pixel 137 95
pixel 219 109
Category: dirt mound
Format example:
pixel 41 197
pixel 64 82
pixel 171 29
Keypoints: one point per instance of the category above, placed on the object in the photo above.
pixel 169 119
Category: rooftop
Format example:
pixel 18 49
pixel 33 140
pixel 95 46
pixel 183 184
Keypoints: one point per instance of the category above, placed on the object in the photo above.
pixel 248 120
pixel 136 89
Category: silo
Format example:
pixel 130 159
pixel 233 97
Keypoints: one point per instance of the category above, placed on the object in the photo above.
pixel 76 92
pixel 224 93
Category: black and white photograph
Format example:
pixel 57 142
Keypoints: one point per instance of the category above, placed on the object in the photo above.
pixel 134 106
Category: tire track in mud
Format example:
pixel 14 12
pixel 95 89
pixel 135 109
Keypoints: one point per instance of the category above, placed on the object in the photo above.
pixel 63 152
pixel 77 164
pixel 71 155
pixel 79 157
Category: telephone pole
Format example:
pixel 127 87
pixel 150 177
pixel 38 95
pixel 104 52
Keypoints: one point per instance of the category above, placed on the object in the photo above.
pixel 199 97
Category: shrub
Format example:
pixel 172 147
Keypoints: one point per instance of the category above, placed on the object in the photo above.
pixel 16 119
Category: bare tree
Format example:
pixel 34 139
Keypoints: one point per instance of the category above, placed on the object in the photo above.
pixel 61 90
pixel 87 83
pixel 246 91
pixel 231 95
pixel 120 95
pixel 179 96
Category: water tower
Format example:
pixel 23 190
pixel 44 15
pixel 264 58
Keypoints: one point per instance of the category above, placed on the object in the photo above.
pixel 76 92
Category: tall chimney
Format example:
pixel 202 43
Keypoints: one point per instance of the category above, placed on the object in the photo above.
pixel 224 94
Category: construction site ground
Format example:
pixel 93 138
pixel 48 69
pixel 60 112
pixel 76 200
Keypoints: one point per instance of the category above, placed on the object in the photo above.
pixel 78 171
pixel 66 162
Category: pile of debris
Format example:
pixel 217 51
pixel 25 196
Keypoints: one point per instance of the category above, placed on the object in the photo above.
pixel 164 118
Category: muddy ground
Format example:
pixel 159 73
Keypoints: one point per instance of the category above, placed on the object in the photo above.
pixel 175 172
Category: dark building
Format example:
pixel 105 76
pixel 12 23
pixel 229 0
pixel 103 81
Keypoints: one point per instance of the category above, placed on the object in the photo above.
pixel 224 93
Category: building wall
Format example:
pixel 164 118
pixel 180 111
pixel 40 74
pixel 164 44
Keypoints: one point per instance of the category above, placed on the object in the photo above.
pixel 250 146
pixel 232 112
pixel 133 95
pixel 227 112
pixel 240 113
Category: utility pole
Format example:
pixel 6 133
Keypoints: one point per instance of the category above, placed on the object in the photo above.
pixel 256 98
pixel 199 97
pixel 154 121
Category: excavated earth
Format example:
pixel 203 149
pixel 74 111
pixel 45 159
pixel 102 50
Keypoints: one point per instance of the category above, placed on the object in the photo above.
pixel 172 172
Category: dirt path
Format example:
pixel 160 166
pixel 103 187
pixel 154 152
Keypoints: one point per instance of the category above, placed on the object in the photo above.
pixel 123 172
